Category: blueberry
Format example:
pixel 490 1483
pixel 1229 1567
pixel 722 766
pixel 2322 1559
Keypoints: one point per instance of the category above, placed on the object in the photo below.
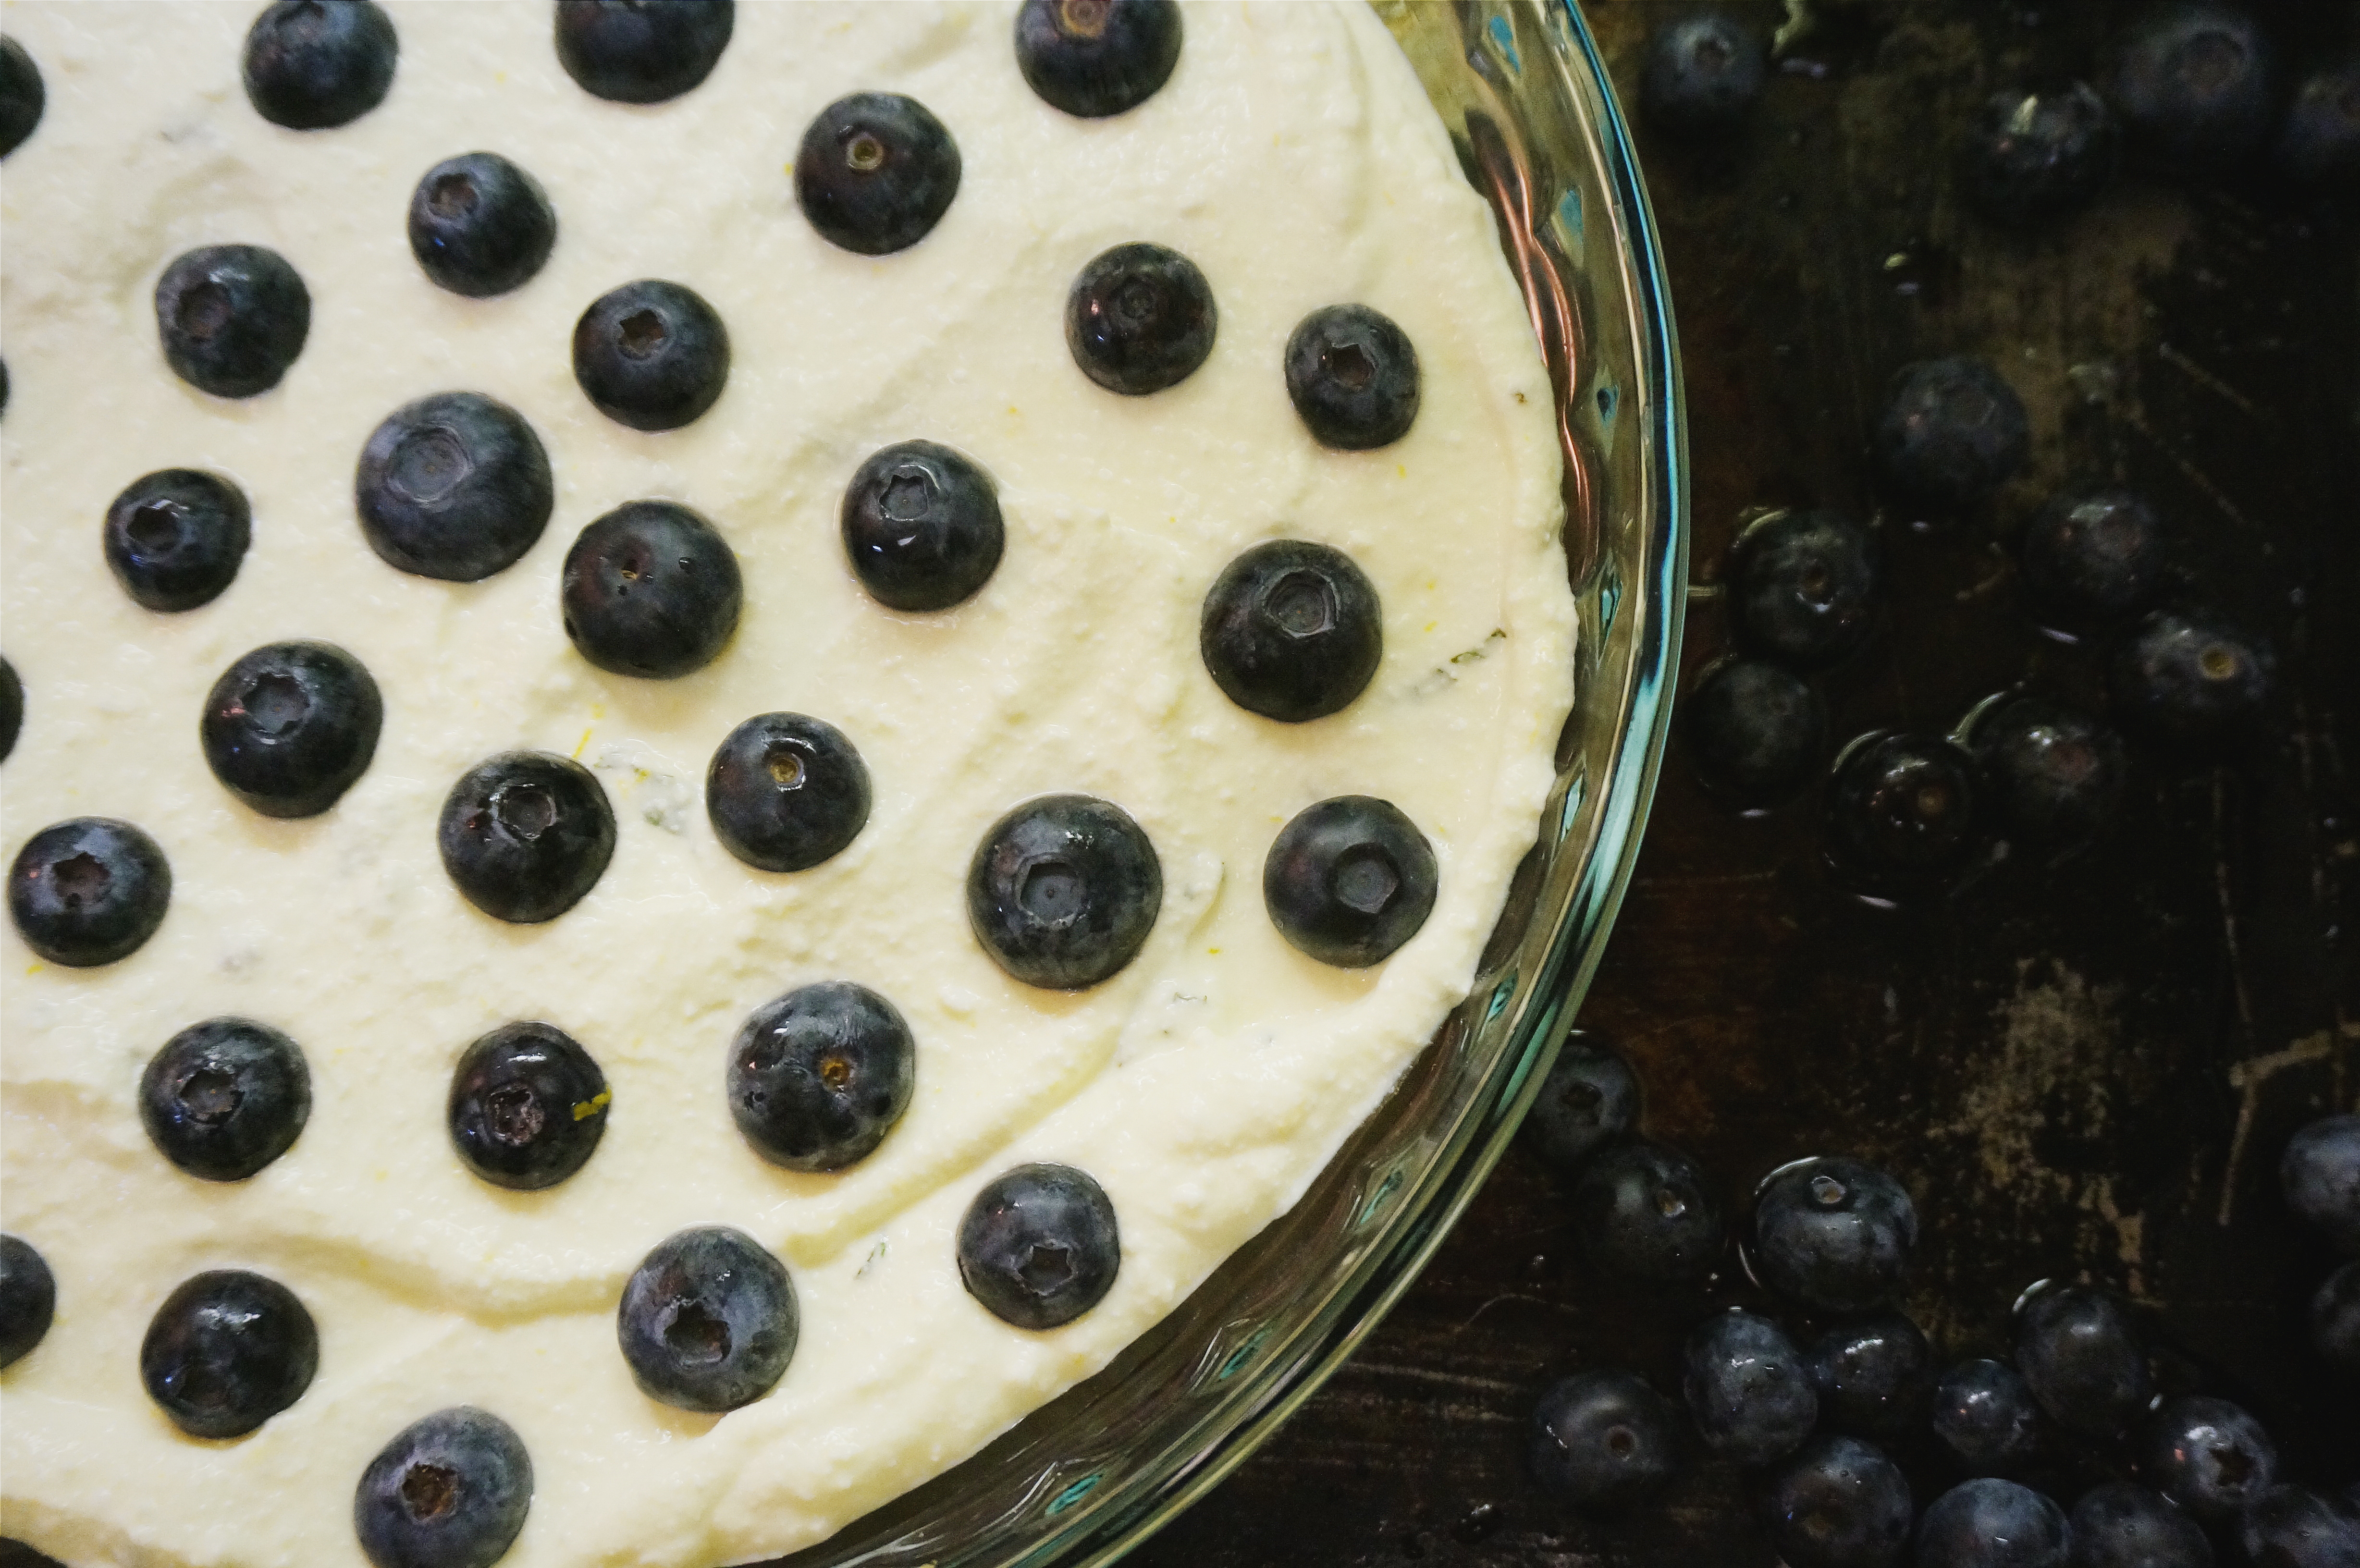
pixel 2092 557
pixel 2319 141
pixel 1952 434
pixel 2051 775
pixel 1291 630
pixel 226 1351
pixel 1988 1523
pixel 922 527
pixel 2083 1360
pixel 819 1076
pixel 12 708
pixel 1095 57
pixel 650 589
pixel 2335 1320
pixel 1352 374
pixel 1589 1098
pixel 876 172
pixel 2193 81
pixel 232 318
pixel 1645 1211
pixel 1062 891
pixel 1754 730
pixel 2209 1456
pixel 1838 1503
pixel 708 1320
pixel 88 891
pixel 176 538
pixel 1874 1376
pixel 450 1491
pixel 1902 809
pixel 2294 1527
pixel 312 65
pixel 28 1299
pixel 1747 1388
pixel 1803 587
pixel 525 834
pixel 1602 1441
pixel 1349 881
pixel 2118 1525
pixel 1834 1234
pixel 1704 71
pixel 22 96
pixel 642 51
pixel 1986 1417
pixel 288 728
pixel 2192 681
pixel 2033 156
pixel 786 793
pixel 454 486
pixel 226 1098
pixel 2320 1173
pixel 1039 1245
pixel 527 1106
pixel 480 225
pixel 1140 317
pixel 651 354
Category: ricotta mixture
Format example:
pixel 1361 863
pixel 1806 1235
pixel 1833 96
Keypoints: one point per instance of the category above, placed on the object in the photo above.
pixel 1293 158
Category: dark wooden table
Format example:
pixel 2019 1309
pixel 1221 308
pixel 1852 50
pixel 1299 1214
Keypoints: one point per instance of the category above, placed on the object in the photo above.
pixel 2080 1070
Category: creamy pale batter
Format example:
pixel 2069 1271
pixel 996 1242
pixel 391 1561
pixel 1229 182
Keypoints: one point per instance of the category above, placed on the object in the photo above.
pixel 1293 158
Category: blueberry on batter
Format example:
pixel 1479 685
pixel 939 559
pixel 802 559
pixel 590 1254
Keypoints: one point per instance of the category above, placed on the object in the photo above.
pixel 2032 156
pixel 1291 630
pixel 708 1321
pixel 1039 1246
pixel 175 538
pixel 232 318
pixel 1747 1388
pixel 1987 1523
pixel 226 1351
pixel 527 1106
pixel 1603 1442
pixel 2210 1456
pixel 1952 434
pixel 28 1299
pixel 2195 82
pixel 480 225
pixel 22 96
pixel 1645 1211
pixel 2193 681
pixel 226 1098
pixel 2118 1525
pixel 12 708
pixel 1589 1098
pixel 88 891
pixel 652 354
pixel 1986 1419
pixel 876 172
pixel 1756 732
pixel 312 65
pixel 1874 1375
pixel 785 791
pixel 1062 891
pixel 1838 1503
pixel 1349 880
pixel 922 527
pixel 652 590
pixel 1139 318
pixel 2319 1174
pixel 1353 377
pixel 450 1491
pixel 454 486
pixel 291 726
pixel 819 1076
pixel 2053 776
pixel 642 51
pixel 1902 810
pixel 2083 1360
pixel 2092 557
pixel 1834 1234
pixel 1703 72
pixel 1095 57
pixel 525 834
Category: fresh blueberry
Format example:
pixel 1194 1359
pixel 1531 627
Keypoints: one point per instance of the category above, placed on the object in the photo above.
pixel 1838 1503
pixel 708 1321
pixel 1291 630
pixel 2320 1173
pixel 88 891
pixel 1062 890
pixel 2052 776
pixel 12 708
pixel 2209 1456
pixel 2194 80
pixel 1602 1441
pixel 454 486
pixel 876 172
pixel 525 834
pixel 1986 1417
pixel 28 1299
pixel 1703 72
pixel 226 1098
pixel 2118 1525
pixel 2083 1360
pixel 642 51
pixel 2335 1320
pixel 650 589
pixel 2319 141
pixel 2191 680
pixel 1039 1245
pixel 2294 1527
pixel 1902 809
pixel 232 318
pixel 450 1491
pixel 1095 57
pixel 1989 1523
pixel 1952 434
pixel 527 1106
pixel 1352 374
pixel 1349 881
pixel 651 354
pixel 1834 1234
pixel 2092 557
pixel 819 1076
pixel 922 527
pixel 312 65
pixel 227 1351
pixel 480 225
pixel 1140 317
pixel 288 728
pixel 1645 1211
pixel 786 793
pixel 1747 1388
pixel 1754 730
pixel 21 95
pixel 176 538
pixel 1874 1376
pixel 1589 1098
pixel 2033 156
pixel 1803 587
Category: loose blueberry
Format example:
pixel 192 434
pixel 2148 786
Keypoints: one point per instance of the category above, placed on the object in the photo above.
pixel 876 172
pixel 226 1098
pixel 21 95
pixel 176 538
pixel 1140 317
pixel 288 728
pixel 28 1299
pixel 1352 374
pixel 527 1106
pixel 651 354
pixel 454 486
pixel 819 1076
pixel 2195 82
pixel 1834 1234
pixel 2118 1525
pixel 708 1321
pixel 1349 880
pixel 1291 630
pixel 1703 72
pixel 2335 1320
pixel 1756 732
pixel 450 1491
pixel 1838 1503
pixel 2319 1174
pixel 1062 891
pixel 480 225
pixel 1874 1376
pixel 227 1351
pixel 525 834
pixel 1603 1442
pixel 642 51
pixel 1645 1211
pixel 2209 1456
pixel 232 318
pixel 2318 141
pixel 12 708
pixel 1988 1523
pixel 2294 1527
pixel 1039 1246
pixel 650 589
pixel 1095 57
pixel 88 891
pixel 786 793
pixel 1902 810
pixel 1803 587
pixel 2033 156
pixel 922 527
pixel 2092 557
pixel 2083 1360
pixel 1954 433
pixel 312 65
pixel 1589 1098
pixel 1747 1388
pixel 1986 1417
pixel 2192 681
pixel 2052 776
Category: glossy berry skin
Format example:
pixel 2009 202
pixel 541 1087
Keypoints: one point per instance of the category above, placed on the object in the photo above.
pixel 88 890
pixel 1139 318
pixel 175 538
pixel 708 1321
pixel 2319 141
pixel 1291 630
pixel 2031 157
pixel 12 708
pixel 1352 375
pixel 1838 1503
pixel 876 172
pixel 1804 587
pixel 1590 1099
pixel 2117 1525
pixel 2053 777
pixel 785 792
pixel 1902 810
pixel 2092 557
pixel 1989 1523
pixel 1062 891
pixel 650 589
pixel 2319 1174
pixel 2083 1360
pixel 1349 881
pixel 1747 1388
pixel 2335 1320
pixel 22 96
pixel 1834 1234
pixel 226 1098
pixel 1645 1211
pixel 291 726
pixel 28 1299
pixel 1603 1442
pixel 642 51
pixel 820 1075
pixel 1953 433
pixel 2195 82
pixel 1039 1245
pixel 226 1351
pixel 652 354
pixel 480 225
pixel 312 65
pixel 2192 681
pixel 1097 58
pixel 1986 1418
pixel 232 318
pixel 1874 1375
pixel 524 834
pixel 922 527
pixel 454 486
pixel 2294 1527
pixel 2209 1456
pixel 1704 71
pixel 451 1490
pixel 1756 732
pixel 527 1106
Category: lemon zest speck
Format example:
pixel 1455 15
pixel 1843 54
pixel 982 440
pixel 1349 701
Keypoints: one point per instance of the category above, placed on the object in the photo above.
pixel 584 1109
pixel 580 744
